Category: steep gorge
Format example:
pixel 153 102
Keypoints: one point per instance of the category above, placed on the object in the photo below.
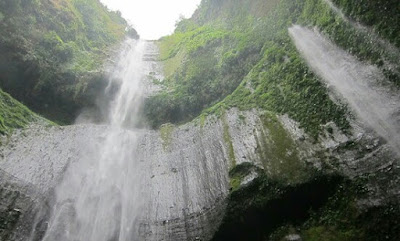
pixel 266 143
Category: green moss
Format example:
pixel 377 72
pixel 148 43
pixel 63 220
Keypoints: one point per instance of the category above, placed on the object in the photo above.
pixel 238 172
pixel 329 234
pixel 242 118
pixel 14 115
pixel 234 182
pixel 323 207
pixel 343 219
pixel 257 209
pixel 166 131
pixel 203 118
pixel 279 153
pixel 228 141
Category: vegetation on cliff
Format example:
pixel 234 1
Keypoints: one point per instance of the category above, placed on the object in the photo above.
pixel 53 52
pixel 239 54
pixel 321 207
pixel 381 15
pixel 14 114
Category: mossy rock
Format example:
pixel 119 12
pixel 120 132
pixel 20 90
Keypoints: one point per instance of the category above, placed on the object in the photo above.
pixel 255 210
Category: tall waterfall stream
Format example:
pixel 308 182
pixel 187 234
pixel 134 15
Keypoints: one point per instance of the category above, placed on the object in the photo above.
pixel 100 195
pixel 90 182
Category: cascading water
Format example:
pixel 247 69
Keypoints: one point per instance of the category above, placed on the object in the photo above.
pixel 114 182
pixel 99 197
pixel 130 71
pixel 376 103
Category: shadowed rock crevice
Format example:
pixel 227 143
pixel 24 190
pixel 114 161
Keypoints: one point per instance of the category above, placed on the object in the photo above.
pixel 255 210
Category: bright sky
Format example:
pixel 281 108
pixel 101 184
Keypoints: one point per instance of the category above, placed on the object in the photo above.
pixel 153 18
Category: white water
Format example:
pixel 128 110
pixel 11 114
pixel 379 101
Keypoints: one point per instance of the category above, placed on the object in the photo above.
pixel 359 84
pixel 130 71
pixel 99 198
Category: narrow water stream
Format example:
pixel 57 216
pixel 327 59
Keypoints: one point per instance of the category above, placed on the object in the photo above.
pixel 359 84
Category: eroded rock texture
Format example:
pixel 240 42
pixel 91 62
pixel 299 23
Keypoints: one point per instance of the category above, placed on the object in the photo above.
pixel 186 169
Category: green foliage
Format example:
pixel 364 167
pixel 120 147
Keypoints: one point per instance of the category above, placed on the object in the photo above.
pixel 342 219
pixel 382 222
pixel 165 133
pixel 329 234
pixel 322 207
pixel 337 220
pixel 248 60
pixel 240 53
pixel 364 43
pixel 200 72
pixel 382 15
pixel 14 115
pixel 279 153
pixel 255 210
pixel 228 141
pixel 50 47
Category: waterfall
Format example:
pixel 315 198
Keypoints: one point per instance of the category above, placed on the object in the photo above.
pixel 99 198
pixel 130 71
pixel 362 86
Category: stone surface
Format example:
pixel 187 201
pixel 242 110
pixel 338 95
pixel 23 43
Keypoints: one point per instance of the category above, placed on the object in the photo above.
pixel 186 171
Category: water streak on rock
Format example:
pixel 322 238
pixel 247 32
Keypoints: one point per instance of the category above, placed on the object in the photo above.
pixel 363 86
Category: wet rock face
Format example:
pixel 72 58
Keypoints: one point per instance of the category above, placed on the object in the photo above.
pixel 39 156
pixel 188 183
pixel 186 169
pixel 186 173
pixel 17 198
pixel 33 162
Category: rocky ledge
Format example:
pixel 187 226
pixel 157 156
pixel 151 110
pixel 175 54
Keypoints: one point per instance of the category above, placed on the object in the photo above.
pixel 239 174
